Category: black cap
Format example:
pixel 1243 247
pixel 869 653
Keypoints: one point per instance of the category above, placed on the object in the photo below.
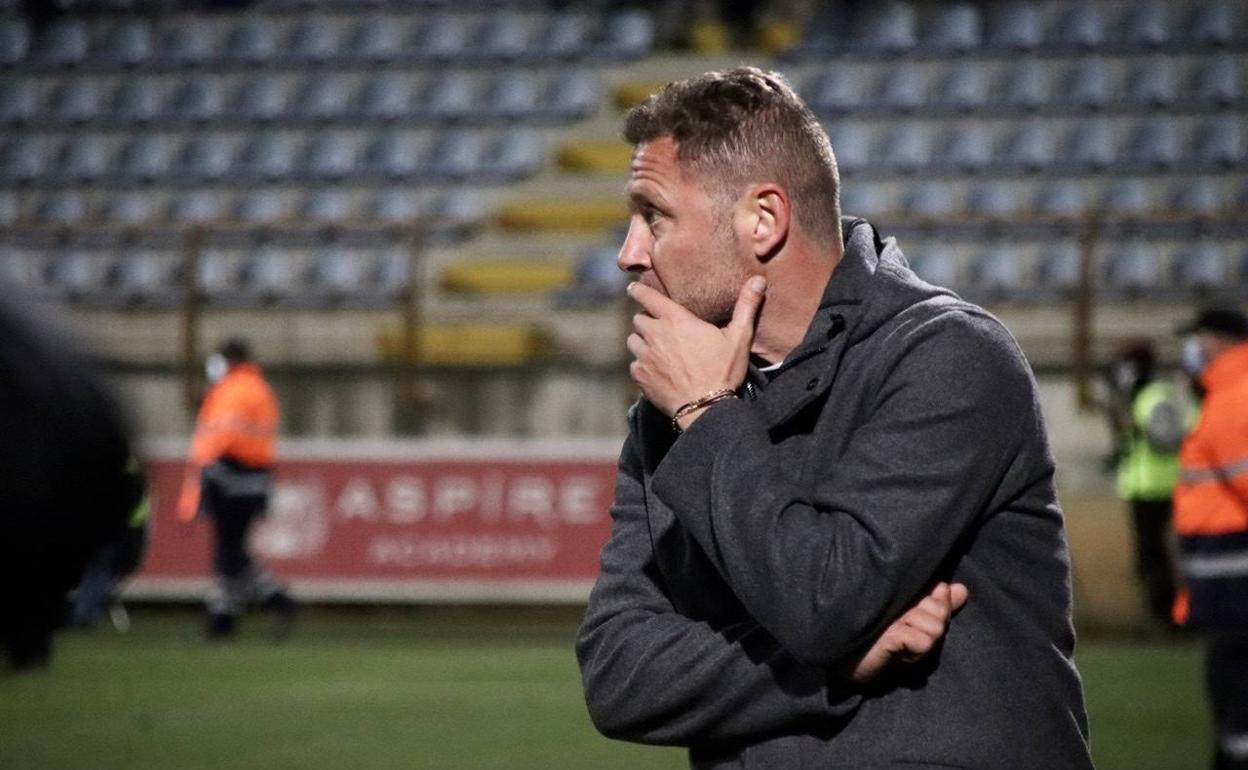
pixel 1219 319
pixel 236 349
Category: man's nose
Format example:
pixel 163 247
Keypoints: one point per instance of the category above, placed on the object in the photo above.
pixel 634 256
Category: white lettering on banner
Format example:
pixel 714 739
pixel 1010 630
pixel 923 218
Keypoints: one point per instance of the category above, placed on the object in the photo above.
pixel 461 552
pixel 454 495
pixel 357 500
pixel 532 497
pixel 405 500
pixel 297 524
pixel 578 499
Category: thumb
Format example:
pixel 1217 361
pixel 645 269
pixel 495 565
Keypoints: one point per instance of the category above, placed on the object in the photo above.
pixel 746 310
pixel 957 596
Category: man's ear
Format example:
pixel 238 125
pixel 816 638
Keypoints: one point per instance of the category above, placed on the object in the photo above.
pixel 768 219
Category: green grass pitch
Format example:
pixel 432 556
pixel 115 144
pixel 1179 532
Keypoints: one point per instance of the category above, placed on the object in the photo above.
pixel 446 689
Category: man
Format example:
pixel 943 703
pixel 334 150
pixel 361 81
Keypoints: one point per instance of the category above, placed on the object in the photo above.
pixel 229 475
pixel 822 439
pixel 1211 518
pixel 1151 423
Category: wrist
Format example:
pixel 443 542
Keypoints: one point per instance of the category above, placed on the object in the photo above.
pixel 685 415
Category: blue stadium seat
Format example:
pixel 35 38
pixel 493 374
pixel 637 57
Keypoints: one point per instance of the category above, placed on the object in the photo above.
pixel 19 100
pixel 329 156
pixel 322 97
pixel 629 34
pixel 129 208
pixel 1024 86
pixel 252 40
pixel 392 156
pixel 1209 22
pixel 927 200
pixel 199 99
pixel 936 265
pixel 448 97
pixel 1057 270
pixel 904 148
pixel 189 44
pixel 331 206
pixel 1090 145
pixel 1154 143
pixel 1218 142
pixel 1215 80
pixel 195 207
pixel 269 156
pixel 956 27
pixel 128 42
pixel 313 40
pixel 996 199
pixel 263 207
pixel 1029 146
pixel 394 206
pixel 561 35
pixel 1127 196
pixel 136 100
pixel 891 27
pixel 82 159
pixel 1061 198
pixel 64 207
pixel 964 148
pixel 142 278
pixel 268 276
pixel 336 274
pixel 388 276
pixel 23 159
pixel 517 154
pixel 964 87
pixel 386 97
pixel 571 94
pixel 204 158
pixel 1199 267
pixel 14 40
pixel 1144 24
pixel 864 199
pixel 459 208
pixel 144 158
pixel 72 276
pixel 833 90
pixel 1086 84
pixel 10 208
pixel 440 38
pixel 851 144
pixel 454 155
pixel 376 39
pixel 216 275
pixel 1079 25
pixel 1016 26
pixel 1131 270
pixel 901 88
pixel 20 271
pixel 1241 273
pixel 511 94
pixel 502 36
pixel 65 42
pixel 260 99
pixel 75 100
pixel 1150 83
pixel 1198 195
pixel 997 274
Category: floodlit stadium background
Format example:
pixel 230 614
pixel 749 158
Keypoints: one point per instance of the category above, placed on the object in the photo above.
pixel 412 208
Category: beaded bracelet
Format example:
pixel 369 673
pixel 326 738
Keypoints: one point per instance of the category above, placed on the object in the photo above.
pixel 705 401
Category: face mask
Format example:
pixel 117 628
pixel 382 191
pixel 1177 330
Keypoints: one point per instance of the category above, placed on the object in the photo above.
pixel 1193 357
pixel 215 367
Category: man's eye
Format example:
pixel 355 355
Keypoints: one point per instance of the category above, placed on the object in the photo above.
pixel 651 215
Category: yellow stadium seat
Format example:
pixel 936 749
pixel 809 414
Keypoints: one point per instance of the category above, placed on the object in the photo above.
pixel 709 36
pixel 628 95
pixel 562 215
pixel 601 157
pixel 506 277
pixel 470 344
pixel 777 35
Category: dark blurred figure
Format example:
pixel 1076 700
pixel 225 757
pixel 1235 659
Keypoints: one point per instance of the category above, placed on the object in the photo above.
pixel 1211 519
pixel 117 560
pixel 63 486
pixel 230 476
pixel 1149 425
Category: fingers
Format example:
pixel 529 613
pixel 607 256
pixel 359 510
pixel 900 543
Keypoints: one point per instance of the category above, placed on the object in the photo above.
pixel 636 346
pixel 958 594
pixel 749 300
pixel 654 302
pixel 643 324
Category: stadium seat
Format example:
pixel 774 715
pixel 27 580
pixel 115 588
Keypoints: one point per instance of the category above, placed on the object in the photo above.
pixel 1029 146
pixel 851 144
pixel 1153 143
pixel 1024 86
pixel 956 27
pixel 263 207
pixel 260 99
pixel 447 98
pixel 1209 22
pixel 144 158
pixel 508 276
pixel 391 156
pixel 1131 270
pixel 190 44
pixel 65 42
pixel 1199 267
pixel 511 94
pixel 1061 198
pixel 19 100
pixel 596 279
pixel 458 209
pixel 64 207
pixel 269 156
pixel 454 155
pixel 834 90
pixel 997 273
pixel 73 275
pixel 75 100
pixel 1197 195
pixel 195 207
pixel 1144 24
pixel 335 274
pixel 128 42
pixel 561 35
pixel 199 99
pixel 904 148
pixel 251 40
pixel 900 88
pixel 327 207
pixel 891 27
pixel 1215 80
pixel 1089 145
pixel 1241 273
pixel 561 214
pixel 864 199
pixel 10 208
pixel 927 200
pixel 376 39
pixel 136 100
pixel 21 271
pixel 204 158
pixel 386 97
pixel 1079 25
pixel 1057 270
pixel 1218 142
pixel 629 34
pixel 142 278
pixel 1085 85
pixel 14 40
pixel 329 156
pixel 216 275
pixel 1150 83
pixel 502 36
pixel 964 87
pixel 23 159
pixel 82 159
pixel 1016 26
pixel 440 38
pixel 388 275
pixel 995 199
pixel 322 97
pixel 268 276
pixel 129 208
pixel 517 154
pixel 572 94
pixel 394 207
pixel 966 148
pixel 312 40
pixel 1127 196
pixel 936 265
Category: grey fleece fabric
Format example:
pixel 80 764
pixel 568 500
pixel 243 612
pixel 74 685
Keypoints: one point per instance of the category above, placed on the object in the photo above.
pixel 755 555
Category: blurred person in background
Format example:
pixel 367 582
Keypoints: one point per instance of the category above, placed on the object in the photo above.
pixel 230 476
pixel 1150 422
pixel 823 441
pixel 1211 519
pixel 64 489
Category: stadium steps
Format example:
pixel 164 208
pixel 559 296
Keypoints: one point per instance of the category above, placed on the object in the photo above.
pixel 470 344
pixel 506 277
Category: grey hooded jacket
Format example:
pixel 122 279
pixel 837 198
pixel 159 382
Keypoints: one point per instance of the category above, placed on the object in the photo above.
pixel 755 555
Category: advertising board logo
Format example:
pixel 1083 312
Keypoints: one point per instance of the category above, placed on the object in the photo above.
pixel 297 524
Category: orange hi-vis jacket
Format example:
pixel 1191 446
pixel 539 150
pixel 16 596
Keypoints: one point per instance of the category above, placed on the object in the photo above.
pixel 1211 499
pixel 237 421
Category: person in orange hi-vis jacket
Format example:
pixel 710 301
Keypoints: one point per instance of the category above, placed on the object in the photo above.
pixel 229 477
pixel 1211 520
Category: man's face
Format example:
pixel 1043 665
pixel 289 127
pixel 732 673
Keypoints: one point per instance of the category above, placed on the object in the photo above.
pixel 680 237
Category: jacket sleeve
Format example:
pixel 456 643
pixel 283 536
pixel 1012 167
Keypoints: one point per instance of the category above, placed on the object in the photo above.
pixel 653 675
pixel 826 564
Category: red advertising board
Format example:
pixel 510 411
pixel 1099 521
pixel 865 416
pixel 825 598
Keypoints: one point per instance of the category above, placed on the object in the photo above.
pixel 407 521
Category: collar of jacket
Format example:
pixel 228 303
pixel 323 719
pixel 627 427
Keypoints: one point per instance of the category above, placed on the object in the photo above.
pixel 1227 369
pixel 841 319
